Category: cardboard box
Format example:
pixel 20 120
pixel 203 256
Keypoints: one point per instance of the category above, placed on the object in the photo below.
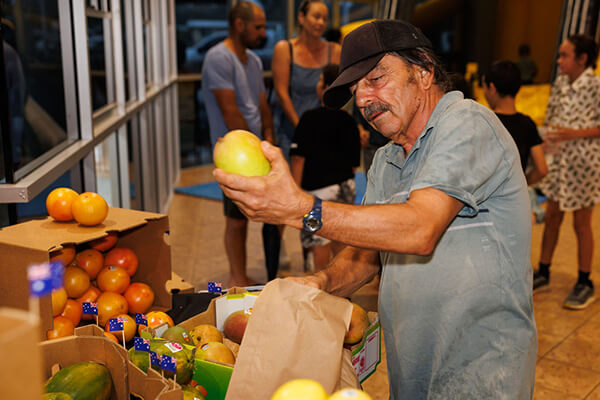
pixel 213 376
pixel 31 242
pixel 147 386
pixel 69 350
pixel 366 355
pixel 21 375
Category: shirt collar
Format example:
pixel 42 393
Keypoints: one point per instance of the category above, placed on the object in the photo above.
pixel 394 153
pixel 583 80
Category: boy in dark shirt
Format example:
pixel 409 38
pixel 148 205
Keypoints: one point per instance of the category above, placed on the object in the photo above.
pixel 325 152
pixel 501 84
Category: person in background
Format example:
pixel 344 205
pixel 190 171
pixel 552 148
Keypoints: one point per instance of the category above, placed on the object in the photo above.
pixel 370 140
pixel 325 153
pixel 573 184
pixel 527 66
pixel 501 85
pixel 296 69
pixel 445 217
pixel 234 94
pixel 297 66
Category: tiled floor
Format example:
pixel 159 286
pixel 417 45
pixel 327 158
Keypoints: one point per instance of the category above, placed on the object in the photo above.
pixel 568 365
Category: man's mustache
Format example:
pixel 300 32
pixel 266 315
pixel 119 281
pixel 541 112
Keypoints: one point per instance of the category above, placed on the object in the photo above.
pixel 374 108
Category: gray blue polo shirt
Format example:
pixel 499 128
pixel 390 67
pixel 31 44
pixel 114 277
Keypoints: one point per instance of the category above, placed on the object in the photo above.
pixel 458 324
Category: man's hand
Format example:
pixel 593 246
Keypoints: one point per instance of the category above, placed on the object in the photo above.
pixel 275 198
pixel 317 280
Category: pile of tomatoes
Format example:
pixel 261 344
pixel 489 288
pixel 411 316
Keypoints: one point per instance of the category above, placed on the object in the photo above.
pixel 100 273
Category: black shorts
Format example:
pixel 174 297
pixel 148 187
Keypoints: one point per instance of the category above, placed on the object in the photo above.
pixel 231 210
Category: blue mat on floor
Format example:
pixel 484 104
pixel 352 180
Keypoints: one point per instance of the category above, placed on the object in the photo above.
pixel 212 190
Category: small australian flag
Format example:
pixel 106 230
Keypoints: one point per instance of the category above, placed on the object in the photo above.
pixel 168 363
pixel 154 358
pixel 141 344
pixel 214 287
pixel 44 278
pixel 89 308
pixel 115 324
pixel 141 319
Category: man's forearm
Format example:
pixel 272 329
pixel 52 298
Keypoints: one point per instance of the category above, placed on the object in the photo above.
pixel 349 270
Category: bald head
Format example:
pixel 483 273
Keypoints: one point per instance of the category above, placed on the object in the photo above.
pixel 244 10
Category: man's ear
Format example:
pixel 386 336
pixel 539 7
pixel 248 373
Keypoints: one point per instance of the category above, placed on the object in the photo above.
pixel 583 58
pixel 239 25
pixel 426 78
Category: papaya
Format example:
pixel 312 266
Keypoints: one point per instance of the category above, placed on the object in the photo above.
pixel 56 396
pixel 84 380
pixel 139 358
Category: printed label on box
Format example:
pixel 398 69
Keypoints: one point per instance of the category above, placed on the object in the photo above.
pixel 367 355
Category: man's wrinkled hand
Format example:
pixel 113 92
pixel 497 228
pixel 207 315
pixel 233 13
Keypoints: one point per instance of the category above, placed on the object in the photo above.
pixel 274 198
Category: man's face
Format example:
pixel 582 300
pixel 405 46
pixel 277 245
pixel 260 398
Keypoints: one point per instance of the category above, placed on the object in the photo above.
pixel 254 34
pixel 389 97
pixel 568 63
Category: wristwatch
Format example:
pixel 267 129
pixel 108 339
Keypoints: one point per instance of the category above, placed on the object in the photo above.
pixel 312 221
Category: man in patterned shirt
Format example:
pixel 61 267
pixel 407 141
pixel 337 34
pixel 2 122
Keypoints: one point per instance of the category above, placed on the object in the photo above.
pixel 573 180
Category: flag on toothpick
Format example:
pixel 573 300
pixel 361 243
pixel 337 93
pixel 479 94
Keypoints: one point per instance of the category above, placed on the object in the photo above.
pixel 44 278
pixel 214 287
pixel 168 363
pixel 89 308
pixel 154 358
pixel 115 324
pixel 141 344
pixel 141 319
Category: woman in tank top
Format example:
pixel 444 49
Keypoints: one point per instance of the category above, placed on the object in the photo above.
pixel 297 65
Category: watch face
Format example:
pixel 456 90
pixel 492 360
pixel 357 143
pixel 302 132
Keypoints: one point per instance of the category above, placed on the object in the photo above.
pixel 313 223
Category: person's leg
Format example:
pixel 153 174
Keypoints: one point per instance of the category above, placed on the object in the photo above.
pixel 582 294
pixel 236 231
pixel 552 220
pixel 235 247
pixel 271 246
pixel 582 222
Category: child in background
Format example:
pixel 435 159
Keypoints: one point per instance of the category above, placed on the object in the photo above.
pixel 325 152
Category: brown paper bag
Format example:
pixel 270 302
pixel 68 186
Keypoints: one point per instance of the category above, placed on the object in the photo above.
pixel 295 332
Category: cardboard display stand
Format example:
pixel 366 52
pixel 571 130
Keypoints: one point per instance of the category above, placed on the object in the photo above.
pixel 21 375
pixel 32 242
pixel 72 349
pixel 149 385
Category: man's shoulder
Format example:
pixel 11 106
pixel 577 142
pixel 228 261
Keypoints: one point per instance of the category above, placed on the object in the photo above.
pixel 219 50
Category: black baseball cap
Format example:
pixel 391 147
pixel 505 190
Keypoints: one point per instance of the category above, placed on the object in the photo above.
pixel 364 47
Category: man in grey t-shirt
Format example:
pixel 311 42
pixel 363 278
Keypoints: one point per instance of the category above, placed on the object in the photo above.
pixel 234 94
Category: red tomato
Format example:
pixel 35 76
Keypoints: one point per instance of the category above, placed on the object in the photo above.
pixel 105 243
pixel 62 326
pixel 139 297
pixel 91 261
pixel 122 257
pixel 113 279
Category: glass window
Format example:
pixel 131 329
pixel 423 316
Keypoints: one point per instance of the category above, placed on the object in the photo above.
pixel 106 158
pixel 101 62
pixel 33 62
